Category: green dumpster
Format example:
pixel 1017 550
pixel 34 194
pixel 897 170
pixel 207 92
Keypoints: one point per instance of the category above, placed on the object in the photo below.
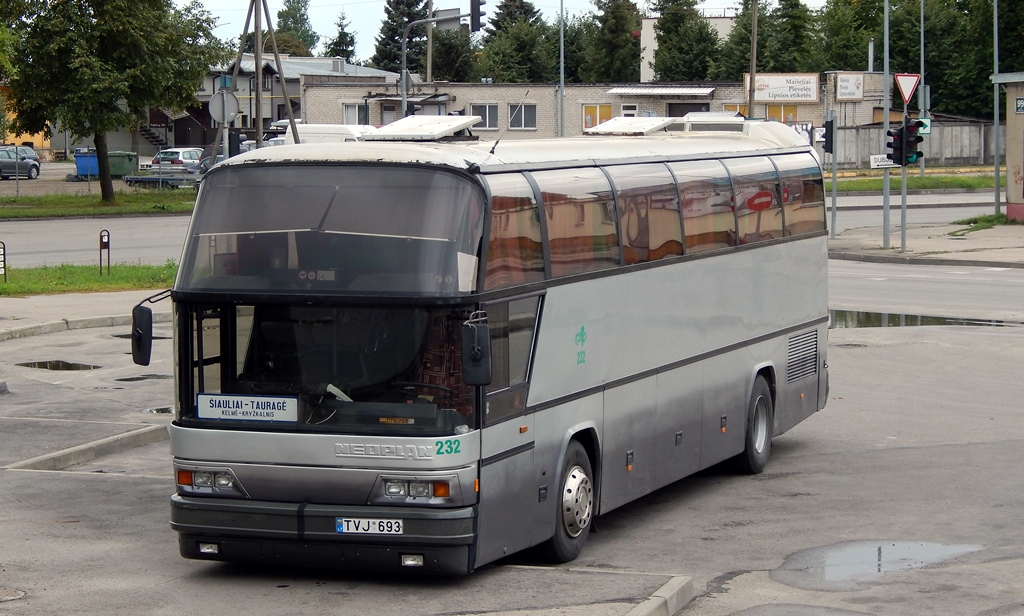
pixel 123 163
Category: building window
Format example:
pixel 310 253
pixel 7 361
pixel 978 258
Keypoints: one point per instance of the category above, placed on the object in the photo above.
pixel 736 108
pixel 629 110
pixel 595 114
pixel 267 80
pixel 354 113
pixel 781 113
pixel 488 115
pixel 522 116
pixel 224 82
pixel 388 113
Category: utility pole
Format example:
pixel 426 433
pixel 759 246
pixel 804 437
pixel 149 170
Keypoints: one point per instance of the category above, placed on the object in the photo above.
pixel 753 57
pixel 885 172
pixel 995 98
pixel 921 102
pixel 254 11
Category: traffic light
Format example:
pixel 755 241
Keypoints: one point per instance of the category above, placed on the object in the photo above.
pixel 895 144
pixel 912 137
pixel 830 136
pixel 475 14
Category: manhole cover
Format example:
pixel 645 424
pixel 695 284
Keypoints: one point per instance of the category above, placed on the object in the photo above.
pixel 144 377
pixel 59 364
pixel 10 594
pixel 129 336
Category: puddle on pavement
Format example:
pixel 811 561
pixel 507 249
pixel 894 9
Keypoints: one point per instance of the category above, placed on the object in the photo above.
pixel 853 565
pixel 144 377
pixel 788 609
pixel 159 410
pixel 59 364
pixel 843 319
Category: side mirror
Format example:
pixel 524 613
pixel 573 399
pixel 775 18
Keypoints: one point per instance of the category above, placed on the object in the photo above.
pixel 476 352
pixel 142 334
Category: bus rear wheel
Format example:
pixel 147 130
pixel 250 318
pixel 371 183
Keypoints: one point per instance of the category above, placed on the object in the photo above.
pixel 575 506
pixel 760 419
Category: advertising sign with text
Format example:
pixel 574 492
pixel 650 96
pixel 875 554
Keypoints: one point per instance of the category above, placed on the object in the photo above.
pixel 849 86
pixel 784 88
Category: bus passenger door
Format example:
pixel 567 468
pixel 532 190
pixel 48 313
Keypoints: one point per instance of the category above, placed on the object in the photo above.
pixel 508 491
pixel 509 507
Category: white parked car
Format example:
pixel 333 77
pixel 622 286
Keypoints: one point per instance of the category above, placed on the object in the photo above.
pixel 176 160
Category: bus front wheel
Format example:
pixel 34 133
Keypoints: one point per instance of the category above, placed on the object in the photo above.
pixel 760 419
pixel 575 506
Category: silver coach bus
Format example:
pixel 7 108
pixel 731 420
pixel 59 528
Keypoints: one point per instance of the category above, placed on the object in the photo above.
pixel 428 355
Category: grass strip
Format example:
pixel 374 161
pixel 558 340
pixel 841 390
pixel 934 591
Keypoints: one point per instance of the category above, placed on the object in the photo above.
pixel 937 182
pixel 86 279
pixel 126 203
pixel 980 223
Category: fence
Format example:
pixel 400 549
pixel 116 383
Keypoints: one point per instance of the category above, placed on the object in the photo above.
pixel 949 145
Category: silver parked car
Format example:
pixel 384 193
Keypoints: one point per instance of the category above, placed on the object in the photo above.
pixel 13 163
pixel 176 160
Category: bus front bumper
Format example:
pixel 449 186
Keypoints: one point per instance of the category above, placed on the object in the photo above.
pixel 304 534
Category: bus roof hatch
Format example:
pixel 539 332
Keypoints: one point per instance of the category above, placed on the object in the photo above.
pixel 422 128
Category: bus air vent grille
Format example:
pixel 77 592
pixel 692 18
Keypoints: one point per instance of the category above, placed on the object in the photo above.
pixel 802 359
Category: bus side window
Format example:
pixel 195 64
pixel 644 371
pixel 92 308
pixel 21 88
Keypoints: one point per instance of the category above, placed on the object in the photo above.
pixel 758 211
pixel 803 195
pixel 512 327
pixel 582 232
pixel 514 252
pixel 649 220
pixel 708 219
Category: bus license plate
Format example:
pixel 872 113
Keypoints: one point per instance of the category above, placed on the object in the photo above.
pixel 369 526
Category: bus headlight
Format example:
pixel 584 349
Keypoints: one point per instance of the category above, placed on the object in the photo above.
pixel 221 482
pixel 420 491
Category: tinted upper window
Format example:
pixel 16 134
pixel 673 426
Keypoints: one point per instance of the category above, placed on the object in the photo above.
pixel 756 188
pixel 708 218
pixel 515 254
pixel 581 221
pixel 803 196
pixel 334 229
pixel 648 208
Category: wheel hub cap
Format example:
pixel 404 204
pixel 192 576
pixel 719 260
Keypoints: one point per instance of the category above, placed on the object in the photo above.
pixel 577 501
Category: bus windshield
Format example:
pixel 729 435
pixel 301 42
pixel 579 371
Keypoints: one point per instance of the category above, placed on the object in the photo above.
pixel 385 371
pixel 339 229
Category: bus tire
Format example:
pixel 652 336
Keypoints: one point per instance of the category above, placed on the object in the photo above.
pixel 760 419
pixel 575 509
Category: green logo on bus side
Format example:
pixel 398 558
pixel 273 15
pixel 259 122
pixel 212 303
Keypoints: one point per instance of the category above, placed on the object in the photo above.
pixel 581 339
pixel 447 446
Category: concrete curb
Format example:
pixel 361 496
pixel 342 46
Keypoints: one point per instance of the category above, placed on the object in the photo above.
pixel 668 600
pixel 90 451
pixel 854 256
pixel 72 324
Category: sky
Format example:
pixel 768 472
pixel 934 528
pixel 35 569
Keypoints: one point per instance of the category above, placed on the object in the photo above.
pixel 364 16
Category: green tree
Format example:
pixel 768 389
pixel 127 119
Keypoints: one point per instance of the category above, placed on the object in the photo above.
pixel 580 32
pixel 519 53
pixel 614 53
pixel 687 44
pixel 509 12
pixel 845 27
pixel 7 41
pixel 286 43
pixel 343 45
pixel 293 18
pixel 398 14
pixel 734 57
pixel 792 39
pixel 454 52
pixel 96 66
